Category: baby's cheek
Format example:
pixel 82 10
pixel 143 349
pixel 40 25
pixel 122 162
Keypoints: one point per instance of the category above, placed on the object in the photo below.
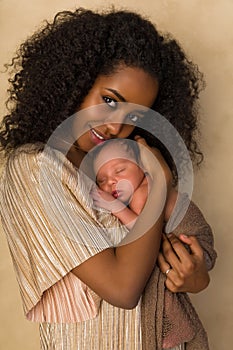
pixel 124 184
pixel 106 188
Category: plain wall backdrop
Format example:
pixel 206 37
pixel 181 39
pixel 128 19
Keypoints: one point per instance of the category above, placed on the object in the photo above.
pixel 205 29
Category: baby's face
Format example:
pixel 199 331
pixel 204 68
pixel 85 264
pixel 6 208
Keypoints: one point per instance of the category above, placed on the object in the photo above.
pixel 120 177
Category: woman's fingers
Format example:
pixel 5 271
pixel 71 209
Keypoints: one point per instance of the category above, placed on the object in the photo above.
pixel 189 256
pixel 163 264
pixel 188 271
pixel 193 244
pixel 153 161
pixel 172 249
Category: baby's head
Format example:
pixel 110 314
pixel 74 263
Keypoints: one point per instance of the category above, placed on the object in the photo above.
pixel 117 168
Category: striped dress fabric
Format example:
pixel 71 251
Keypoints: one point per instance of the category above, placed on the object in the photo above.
pixel 51 227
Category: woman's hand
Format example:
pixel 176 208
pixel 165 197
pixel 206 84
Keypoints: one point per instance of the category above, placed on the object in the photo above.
pixel 185 270
pixel 153 162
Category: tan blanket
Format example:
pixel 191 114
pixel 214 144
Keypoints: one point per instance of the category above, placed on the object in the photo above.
pixel 154 321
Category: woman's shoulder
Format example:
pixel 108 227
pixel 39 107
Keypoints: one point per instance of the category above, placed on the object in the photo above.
pixel 26 153
pixel 37 154
pixel 28 148
pixel 32 162
pixel 41 168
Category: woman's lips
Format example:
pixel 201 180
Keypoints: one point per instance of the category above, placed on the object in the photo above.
pixel 97 137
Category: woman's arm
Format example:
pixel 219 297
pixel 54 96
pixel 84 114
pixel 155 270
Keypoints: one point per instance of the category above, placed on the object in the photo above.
pixel 119 275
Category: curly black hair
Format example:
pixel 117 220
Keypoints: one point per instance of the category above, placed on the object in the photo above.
pixel 55 69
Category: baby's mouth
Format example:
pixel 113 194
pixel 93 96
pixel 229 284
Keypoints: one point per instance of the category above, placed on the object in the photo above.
pixel 115 194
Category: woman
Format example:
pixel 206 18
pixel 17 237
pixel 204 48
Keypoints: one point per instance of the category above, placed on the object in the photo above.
pixel 84 291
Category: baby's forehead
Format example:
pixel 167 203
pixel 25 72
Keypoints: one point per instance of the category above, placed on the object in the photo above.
pixel 112 165
pixel 115 161
pixel 116 150
pixel 114 153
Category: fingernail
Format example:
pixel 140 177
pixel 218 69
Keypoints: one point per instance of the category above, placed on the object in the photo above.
pixel 183 235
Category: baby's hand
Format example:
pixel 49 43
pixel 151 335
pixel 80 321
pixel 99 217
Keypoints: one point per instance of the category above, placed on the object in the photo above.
pixel 106 201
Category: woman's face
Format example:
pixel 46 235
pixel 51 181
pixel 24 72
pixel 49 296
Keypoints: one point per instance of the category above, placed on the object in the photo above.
pixel 114 97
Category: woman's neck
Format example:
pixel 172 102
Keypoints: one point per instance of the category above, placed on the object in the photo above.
pixel 75 155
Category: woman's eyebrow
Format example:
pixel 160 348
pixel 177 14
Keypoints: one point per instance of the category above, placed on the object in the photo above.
pixel 115 92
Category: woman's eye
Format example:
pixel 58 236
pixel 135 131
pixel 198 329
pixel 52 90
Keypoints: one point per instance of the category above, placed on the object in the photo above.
pixel 133 118
pixel 110 101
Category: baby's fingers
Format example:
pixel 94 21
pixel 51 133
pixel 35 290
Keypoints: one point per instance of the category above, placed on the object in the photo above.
pixel 95 193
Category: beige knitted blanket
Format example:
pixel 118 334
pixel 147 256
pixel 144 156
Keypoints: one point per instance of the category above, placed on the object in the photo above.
pixel 155 324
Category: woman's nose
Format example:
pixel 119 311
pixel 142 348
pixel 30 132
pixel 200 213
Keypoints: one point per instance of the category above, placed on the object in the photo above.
pixel 114 128
pixel 114 123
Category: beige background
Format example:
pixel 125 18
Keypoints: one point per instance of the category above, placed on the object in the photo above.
pixel 205 28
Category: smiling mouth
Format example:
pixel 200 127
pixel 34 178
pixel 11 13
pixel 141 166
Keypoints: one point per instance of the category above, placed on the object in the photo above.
pixel 97 134
pixel 97 137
